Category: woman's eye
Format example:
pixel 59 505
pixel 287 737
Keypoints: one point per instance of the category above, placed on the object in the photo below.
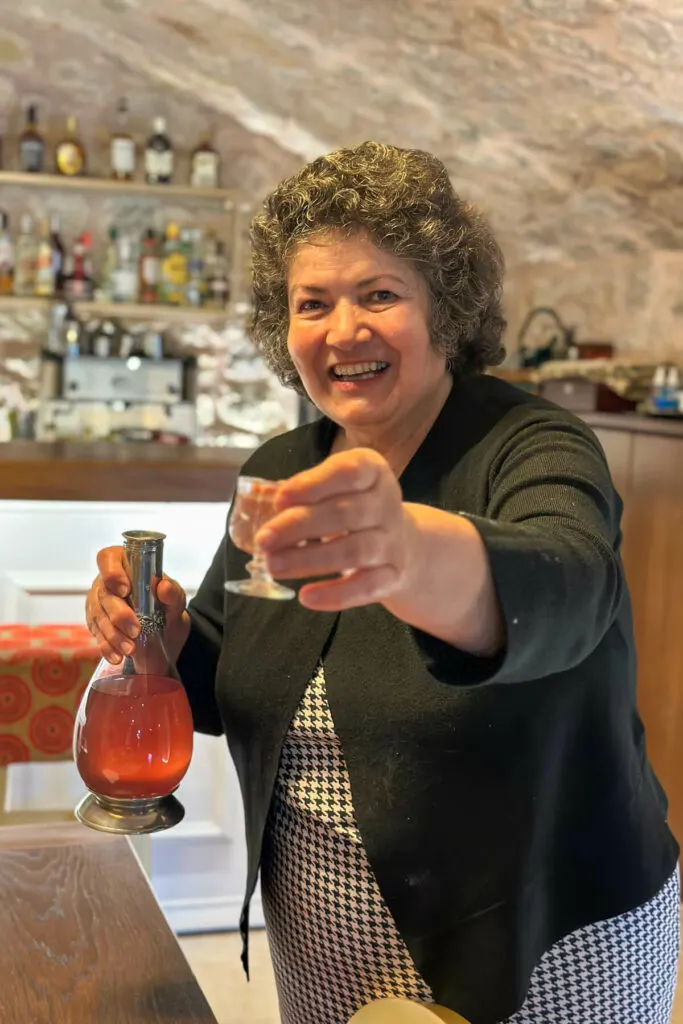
pixel 309 305
pixel 382 295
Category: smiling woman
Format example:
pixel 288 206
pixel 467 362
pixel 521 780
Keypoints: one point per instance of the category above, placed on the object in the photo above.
pixel 403 202
pixel 446 787
pixel 359 340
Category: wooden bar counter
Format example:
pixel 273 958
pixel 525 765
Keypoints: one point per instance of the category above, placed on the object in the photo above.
pixel 83 938
pixel 104 471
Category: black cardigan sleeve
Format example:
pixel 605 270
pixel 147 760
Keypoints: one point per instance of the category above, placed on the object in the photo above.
pixel 552 534
pixel 198 659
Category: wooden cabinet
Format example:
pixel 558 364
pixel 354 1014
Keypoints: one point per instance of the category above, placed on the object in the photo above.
pixel 646 460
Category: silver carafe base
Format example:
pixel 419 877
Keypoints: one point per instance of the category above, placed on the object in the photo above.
pixel 130 817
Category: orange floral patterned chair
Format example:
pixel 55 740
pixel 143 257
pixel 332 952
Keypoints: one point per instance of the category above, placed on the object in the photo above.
pixel 44 671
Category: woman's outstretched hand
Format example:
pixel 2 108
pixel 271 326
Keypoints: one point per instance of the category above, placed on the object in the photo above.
pixel 344 519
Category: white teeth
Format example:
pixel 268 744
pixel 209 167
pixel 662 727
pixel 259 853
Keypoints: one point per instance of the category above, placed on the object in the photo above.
pixel 355 369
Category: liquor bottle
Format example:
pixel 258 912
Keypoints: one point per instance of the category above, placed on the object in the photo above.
pixel 125 281
pixel 204 166
pixel 31 144
pixel 45 279
pixel 122 149
pixel 196 286
pixel 6 256
pixel 134 733
pixel 25 258
pixel 78 281
pixel 150 267
pixel 159 155
pixel 70 154
pixel 73 335
pixel 57 246
pixel 173 269
pixel 218 286
pixel 105 292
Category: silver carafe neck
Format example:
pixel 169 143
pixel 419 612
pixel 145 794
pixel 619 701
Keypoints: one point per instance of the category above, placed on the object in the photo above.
pixel 144 550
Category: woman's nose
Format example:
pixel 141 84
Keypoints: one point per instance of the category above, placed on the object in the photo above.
pixel 344 326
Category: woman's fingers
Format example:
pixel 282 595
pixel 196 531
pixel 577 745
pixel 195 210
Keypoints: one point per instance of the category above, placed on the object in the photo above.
pixel 119 612
pixel 107 633
pixel 109 617
pixel 173 597
pixel 365 586
pixel 337 515
pixel 111 565
pixel 344 553
pixel 352 471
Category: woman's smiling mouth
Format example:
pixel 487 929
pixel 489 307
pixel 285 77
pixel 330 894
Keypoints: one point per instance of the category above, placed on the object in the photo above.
pixel 350 373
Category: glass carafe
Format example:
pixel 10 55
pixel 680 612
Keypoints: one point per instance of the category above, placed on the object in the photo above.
pixel 133 733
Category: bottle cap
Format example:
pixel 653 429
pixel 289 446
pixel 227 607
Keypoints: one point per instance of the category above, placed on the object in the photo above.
pixel 172 230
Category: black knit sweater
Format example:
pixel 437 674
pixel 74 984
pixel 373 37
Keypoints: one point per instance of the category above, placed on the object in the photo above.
pixel 505 802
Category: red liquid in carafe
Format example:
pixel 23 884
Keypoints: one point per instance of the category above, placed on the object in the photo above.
pixel 134 736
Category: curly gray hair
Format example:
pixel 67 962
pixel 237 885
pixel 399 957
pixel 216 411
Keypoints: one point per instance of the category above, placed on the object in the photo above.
pixel 403 200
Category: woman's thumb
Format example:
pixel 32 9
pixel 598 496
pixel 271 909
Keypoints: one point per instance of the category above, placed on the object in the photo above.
pixel 172 595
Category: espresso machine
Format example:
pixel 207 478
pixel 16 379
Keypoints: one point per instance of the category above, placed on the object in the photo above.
pixel 101 381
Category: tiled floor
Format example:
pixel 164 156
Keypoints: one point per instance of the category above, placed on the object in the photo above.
pixel 215 960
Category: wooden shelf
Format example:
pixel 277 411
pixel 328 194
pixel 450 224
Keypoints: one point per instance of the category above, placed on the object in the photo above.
pixel 227 197
pixel 120 310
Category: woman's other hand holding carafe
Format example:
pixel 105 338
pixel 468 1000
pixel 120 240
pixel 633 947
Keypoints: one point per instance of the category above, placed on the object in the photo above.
pixel 112 621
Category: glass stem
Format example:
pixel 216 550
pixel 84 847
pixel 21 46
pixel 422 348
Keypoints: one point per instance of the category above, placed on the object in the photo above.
pixel 258 566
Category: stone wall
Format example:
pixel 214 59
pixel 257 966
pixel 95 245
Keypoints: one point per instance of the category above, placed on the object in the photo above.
pixel 562 119
pixel 635 302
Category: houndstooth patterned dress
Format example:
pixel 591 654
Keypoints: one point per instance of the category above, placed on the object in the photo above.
pixel 335 946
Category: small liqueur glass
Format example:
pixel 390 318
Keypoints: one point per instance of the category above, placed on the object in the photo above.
pixel 253 507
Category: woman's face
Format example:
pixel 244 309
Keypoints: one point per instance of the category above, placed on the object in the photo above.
pixel 359 335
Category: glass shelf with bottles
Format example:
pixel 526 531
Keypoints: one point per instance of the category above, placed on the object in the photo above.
pixel 180 274
pixel 156 162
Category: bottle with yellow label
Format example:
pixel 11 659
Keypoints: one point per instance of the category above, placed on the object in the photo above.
pixel 70 154
pixel 173 281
